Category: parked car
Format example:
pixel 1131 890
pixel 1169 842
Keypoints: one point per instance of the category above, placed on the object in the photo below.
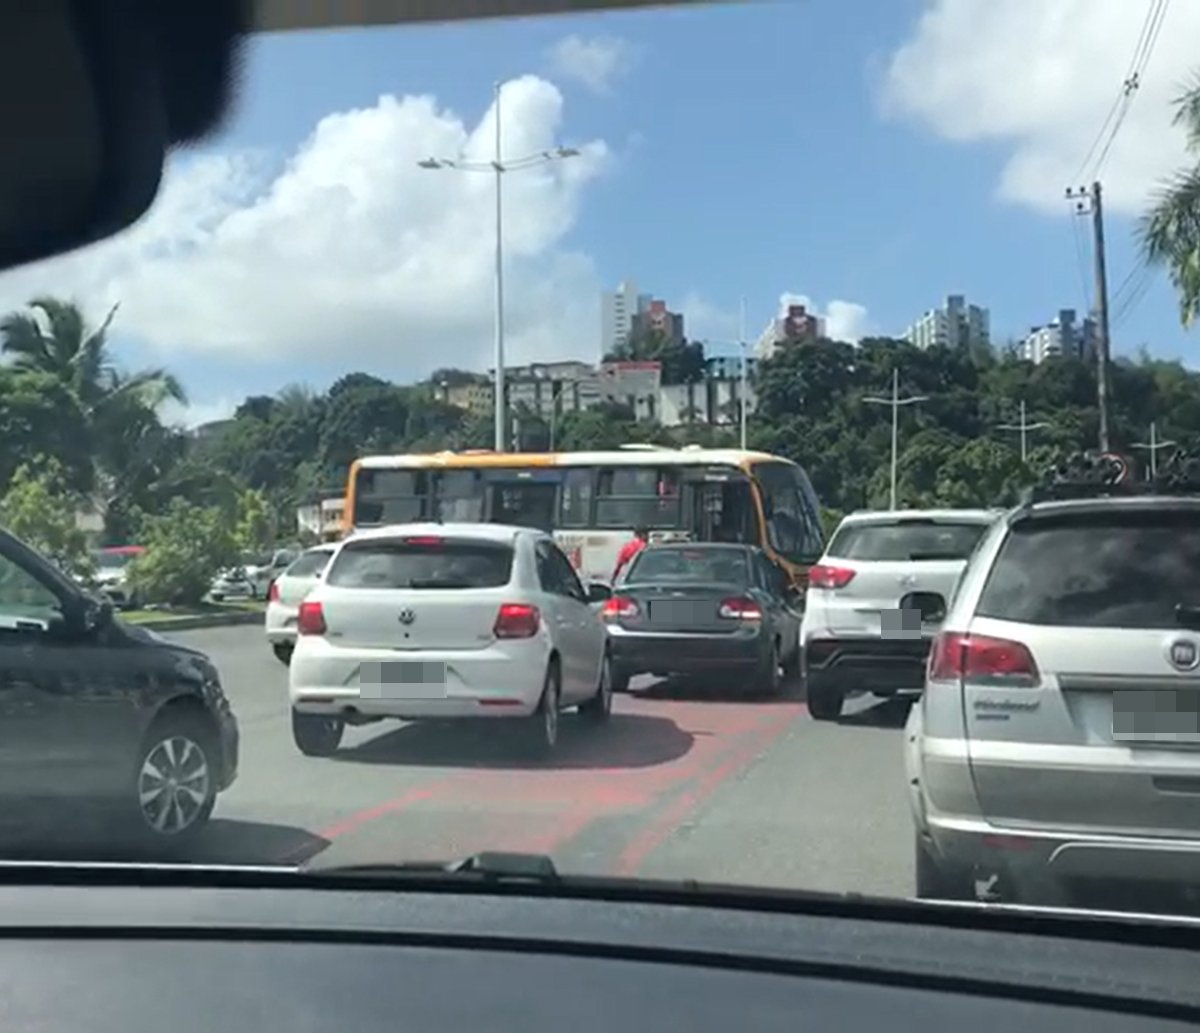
pixel 457 621
pixel 252 576
pixel 285 595
pixel 112 575
pixel 1055 745
pixel 877 597
pixel 704 608
pixel 102 715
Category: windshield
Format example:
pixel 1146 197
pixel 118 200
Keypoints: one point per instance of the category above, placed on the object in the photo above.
pixel 744 319
pixel 905 541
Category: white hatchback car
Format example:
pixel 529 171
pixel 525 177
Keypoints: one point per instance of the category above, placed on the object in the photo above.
pixel 447 621
pixel 285 595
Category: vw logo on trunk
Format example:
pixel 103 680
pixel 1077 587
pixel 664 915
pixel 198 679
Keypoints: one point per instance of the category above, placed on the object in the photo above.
pixel 1183 654
pixel 407 616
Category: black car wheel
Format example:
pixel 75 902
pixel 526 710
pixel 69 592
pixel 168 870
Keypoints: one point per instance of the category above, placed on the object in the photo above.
pixel 620 677
pixel 317 735
pixel 935 882
pixel 539 731
pixel 599 707
pixel 825 701
pixel 767 676
pixel 283 652
pixel 175 781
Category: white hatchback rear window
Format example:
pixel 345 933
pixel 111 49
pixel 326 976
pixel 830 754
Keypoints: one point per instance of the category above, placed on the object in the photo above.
pixel 433 563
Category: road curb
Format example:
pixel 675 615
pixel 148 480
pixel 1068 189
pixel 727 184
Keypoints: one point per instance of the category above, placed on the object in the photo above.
pixel 215 620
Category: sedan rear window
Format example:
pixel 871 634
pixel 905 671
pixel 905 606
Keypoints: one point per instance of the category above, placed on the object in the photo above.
pixel 310 564
pixel 690 565
pixel 434 564
pixel 906 540
pixel 1113 571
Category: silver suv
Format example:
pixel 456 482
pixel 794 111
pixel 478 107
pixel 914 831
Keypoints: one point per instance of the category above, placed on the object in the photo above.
pixel 1056 746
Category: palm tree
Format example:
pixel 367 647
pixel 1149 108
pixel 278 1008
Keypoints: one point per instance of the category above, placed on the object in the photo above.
pixel 120 409
pixel 1170 231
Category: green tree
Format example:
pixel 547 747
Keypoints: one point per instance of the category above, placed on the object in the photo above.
pixel 185 548
pixel 1170 231
pixel 40 509
pixel 255 526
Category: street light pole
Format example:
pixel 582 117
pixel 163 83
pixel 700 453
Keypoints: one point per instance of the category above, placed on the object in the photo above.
pixel 1024 427
pixel 498 167
pixel 745 380
pixel 896 402
pixel 1153 445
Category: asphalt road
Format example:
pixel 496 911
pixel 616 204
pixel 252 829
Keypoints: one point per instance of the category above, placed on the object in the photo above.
pixel 685 781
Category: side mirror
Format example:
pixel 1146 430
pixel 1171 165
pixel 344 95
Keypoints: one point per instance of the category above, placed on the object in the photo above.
pixel 598 592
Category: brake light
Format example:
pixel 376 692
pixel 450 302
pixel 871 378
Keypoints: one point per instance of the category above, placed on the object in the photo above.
pixel 740 609
pixel 517 620
pixel 619 608
pixel 825 576
pixel 426 540
pixel 273 592
pixel 982 660
pixel 311 619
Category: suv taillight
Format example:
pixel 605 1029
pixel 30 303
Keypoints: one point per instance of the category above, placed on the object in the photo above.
pixel 619 608
pixel 825 576
pixel 311 619
pixel 739 609
pixel 516 620
pixel 982 660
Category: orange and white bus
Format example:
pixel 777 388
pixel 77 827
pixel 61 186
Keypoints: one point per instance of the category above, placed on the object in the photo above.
pixel 592 501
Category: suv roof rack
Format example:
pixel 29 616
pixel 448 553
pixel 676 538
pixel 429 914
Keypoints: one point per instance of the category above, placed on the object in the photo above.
pixel 1092 475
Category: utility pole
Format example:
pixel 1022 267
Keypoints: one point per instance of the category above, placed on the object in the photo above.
pixel 745 380
pixel 1092 201
pixel 1024 427
pixel 1152 446
pixel 895 402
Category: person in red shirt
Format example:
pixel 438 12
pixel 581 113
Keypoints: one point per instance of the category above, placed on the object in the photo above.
pixel 641 536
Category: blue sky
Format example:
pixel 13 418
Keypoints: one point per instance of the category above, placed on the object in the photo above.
pixel 846 152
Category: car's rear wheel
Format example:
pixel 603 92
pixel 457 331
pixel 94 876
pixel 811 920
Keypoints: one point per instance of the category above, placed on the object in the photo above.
pixel 174 785
pixel 283 652
pixel 621 678
pixel 317 735
pixel 824 701
pixel 599 707
pixel 934 881
pixel 767 676
pixel 540 730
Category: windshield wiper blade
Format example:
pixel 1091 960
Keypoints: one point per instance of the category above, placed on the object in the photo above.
pixel 487 866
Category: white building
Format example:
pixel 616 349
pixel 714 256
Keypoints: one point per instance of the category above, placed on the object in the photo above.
pixel 955 325
pixel 617 312
pixel 1061 336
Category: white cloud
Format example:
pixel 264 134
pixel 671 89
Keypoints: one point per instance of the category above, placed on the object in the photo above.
pixel 1039 77
pixel 597 62
pixel 844 320
pixel 347 248
pixel 704 321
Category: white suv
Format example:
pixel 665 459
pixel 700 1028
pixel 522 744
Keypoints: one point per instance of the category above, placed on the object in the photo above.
pixel 1055 747
pixel 875 599
pixel 437 621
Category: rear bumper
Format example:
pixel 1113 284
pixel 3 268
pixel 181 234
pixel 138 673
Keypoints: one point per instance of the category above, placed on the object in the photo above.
pixel 854 665
pixel 497 682
pixel 281 624
pixel 681 653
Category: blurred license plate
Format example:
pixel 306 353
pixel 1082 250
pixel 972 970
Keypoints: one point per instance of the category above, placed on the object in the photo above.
pixel 402 679
pixel 1157 715
pixel 678 611
pixel 900 623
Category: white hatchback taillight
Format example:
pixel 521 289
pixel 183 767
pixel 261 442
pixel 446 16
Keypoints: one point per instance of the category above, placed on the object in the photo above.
pixel 825 576
pixel 310 620
pixel 982 660
pixel 517 620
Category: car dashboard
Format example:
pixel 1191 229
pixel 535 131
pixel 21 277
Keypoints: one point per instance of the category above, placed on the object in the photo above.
pixel 377 954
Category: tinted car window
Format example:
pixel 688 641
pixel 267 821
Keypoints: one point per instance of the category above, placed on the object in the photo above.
pixel 446 564
pixel 1114 571
pixel 309 565
pixel 725 565
pixel 905 540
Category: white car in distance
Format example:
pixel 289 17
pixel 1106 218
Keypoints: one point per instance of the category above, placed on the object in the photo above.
pixel 448 621
pixel 285 595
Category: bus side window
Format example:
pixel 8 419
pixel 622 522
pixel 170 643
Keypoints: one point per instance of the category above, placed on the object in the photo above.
pixel 391 496
pixel 575 507
pixel 627 496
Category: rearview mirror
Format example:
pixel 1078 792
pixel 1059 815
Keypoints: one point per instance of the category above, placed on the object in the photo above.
pixel 85 145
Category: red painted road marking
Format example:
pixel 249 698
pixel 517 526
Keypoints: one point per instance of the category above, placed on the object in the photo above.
pixel 635 854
